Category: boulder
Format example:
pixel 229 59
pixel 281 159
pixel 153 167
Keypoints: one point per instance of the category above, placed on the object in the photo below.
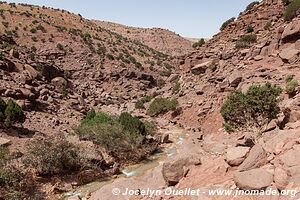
pixel 257 157
pixel 28 71
pixel 236 155
pixel 165 138
pixel 289 55
pixel 235 78
pixel 4 142
pixel 291 158
pixel 254 179
pixel 291 31
pixel 174 170
pixel 201 68
pixel 281 178
pixel 59 82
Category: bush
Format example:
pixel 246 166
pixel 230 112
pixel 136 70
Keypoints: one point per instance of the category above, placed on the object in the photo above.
pixel 162 106
pixel 176 88
pixel 12 114
pixel 292 10
pixel 132 124
pixel 245 41
pixel 60 47
pixel 200 43
pixel 54 155
pixel 11 180
pixel 251 5
pixel 255 108
pixel 249 29
pixel 122 136
pixel 268 25
pixel 286 2
pixel 226 23
pixel 291 86
pixel 140 103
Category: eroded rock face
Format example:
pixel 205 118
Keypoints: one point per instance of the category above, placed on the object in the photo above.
pixel 254 179
pixel 173 171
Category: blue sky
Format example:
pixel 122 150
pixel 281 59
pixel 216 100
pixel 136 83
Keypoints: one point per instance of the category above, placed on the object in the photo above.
pixel 189 18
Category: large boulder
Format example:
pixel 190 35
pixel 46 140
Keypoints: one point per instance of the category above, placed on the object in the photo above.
pixel 281 178
pixel 59 82
pixel 201 68
pixel 291 31
pixel 257 157
pixel 289 55
pixel 4 142
pixel 174 170
pixel 235 78
pixel 291 158
pixel 236 155
pixel 254 179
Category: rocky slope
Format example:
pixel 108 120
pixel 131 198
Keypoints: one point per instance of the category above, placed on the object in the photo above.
pixel 160 39
pixel 59 65
pixel 231 161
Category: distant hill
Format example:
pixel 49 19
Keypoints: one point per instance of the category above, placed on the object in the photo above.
pixel 159 39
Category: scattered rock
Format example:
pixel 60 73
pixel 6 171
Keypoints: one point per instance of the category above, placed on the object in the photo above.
pixel 254 179
pixel 236 155
pixel 4 142
pixel 289 55
pixel 257 157
pixel 201 68
pixel 174 170
pixel 235 78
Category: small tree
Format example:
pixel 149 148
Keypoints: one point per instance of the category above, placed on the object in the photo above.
pixel 226 23
pixel 251 110
pixel 291 86
pixel 13 114
pixel 162 106
pixel 292 10
pixel 251 5
pixel 53 155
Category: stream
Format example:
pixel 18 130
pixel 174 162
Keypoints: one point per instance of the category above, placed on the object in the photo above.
pixel 177 136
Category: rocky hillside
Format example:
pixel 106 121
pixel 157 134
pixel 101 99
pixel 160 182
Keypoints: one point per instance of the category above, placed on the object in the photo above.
pixel 54 54
pixel 160 39
pixel 258 47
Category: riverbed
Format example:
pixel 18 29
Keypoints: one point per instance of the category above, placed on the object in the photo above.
pixel 141 176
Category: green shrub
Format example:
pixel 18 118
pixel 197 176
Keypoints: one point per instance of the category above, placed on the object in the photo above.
pixel 286 2
pixel 60 47
pixel 245 41
pixel 249 29
pixel 140 103
pixel 200 43
pixel 121 136
pixel 292 10
pixel 252 109
pixel 33 30
pixel 52 155
pixel 251 5
pixel 132 124
pixel 13 114
pixel 268 25
pixel 291 86
pixel 176 88
pixel 226 23
pixel 162 106
pixel 12 181
pixel 161 83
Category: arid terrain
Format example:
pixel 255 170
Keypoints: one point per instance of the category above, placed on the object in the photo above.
pixel 94 97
